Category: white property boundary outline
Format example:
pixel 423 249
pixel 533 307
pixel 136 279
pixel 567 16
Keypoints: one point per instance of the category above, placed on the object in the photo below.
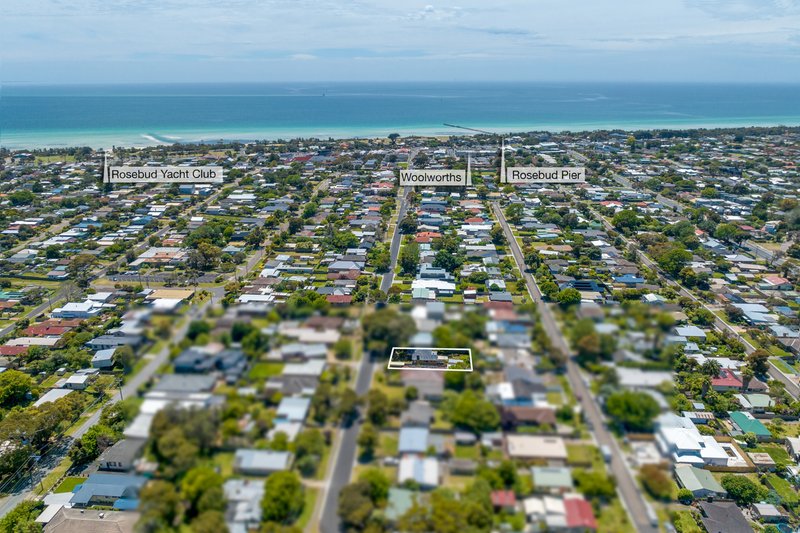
pixel 468 350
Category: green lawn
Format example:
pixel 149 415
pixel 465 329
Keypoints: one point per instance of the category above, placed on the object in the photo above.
pixel 50 479
pixel 584 455
pixel 388 445
pixel 224 461
pixel 614 519
pixel 467 452
pixel 322 468
pixel 69 483
pixel 51 381
pixel 555 398
pixel 308 508
pixel 439 422
pixel 458 482
pixel 784 489
pixel 684 522
pixel 782 365
pixel 391 391
pixel 776 451
pixel 264 370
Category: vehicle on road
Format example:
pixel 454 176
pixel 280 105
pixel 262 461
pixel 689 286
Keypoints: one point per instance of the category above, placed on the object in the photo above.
pixel 605 450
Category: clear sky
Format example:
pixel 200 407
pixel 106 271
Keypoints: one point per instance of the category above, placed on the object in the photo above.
pixel 90 41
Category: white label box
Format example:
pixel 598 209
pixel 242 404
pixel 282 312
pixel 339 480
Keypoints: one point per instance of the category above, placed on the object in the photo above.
pixel 520 175
pixel 204 174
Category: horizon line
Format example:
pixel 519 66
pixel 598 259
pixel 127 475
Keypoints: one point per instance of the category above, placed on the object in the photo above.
pixel 393 82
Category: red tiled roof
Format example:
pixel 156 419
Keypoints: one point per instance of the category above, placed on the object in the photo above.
pixel 514 415
pixel 503 498
pixel 62 322
pixel 499 305
pixel 726 379
pixel 507 315
pixel 45 331
pixel 13 350
pixel 339 298
pixel 579 514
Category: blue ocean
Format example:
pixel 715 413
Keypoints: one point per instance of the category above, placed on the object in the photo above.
pixel 140 115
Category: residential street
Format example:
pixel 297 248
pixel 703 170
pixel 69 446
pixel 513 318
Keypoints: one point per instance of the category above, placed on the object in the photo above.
pixel 344 456
pixel 626 485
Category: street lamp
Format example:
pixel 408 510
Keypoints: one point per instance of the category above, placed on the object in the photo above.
pixel 502 147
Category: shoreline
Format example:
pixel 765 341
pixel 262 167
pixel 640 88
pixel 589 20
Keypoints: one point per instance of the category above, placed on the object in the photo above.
pixel 20 141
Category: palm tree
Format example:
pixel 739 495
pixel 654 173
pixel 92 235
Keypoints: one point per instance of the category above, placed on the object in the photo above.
pixel 747 375
pixel 711 368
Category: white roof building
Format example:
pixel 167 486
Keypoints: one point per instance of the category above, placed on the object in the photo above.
pixel 679 439
pixel 423 470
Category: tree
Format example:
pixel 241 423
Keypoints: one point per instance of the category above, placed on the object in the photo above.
pixel 240 330
pixel 674 259
pixel 408 225
pixel 342 240
pixel 124 357
pixel 197 328
pixel 21 519
pixel 569 296
pixel 471 410
pixel 355 505
pixel 742 489
pixel 626 219
pixel 14 387
pixel 446 260
pixel 21 197
pixel 92 444
pixel 378 407
pixel 119 414
pixel 309 445
pixel 379 484
pixel 160 505
pixel 497 235
pixel 409 258
pixel 514 213
pixel 368 439
pixel 656 481
pixel 205 257
pixel 209 522
pixel 53 251
pixel 588 347
pixel 729 233
pixel 633 410
pixel 201 487
pixel 79 268
pixel 711 368
pixel 685 496
pixel 393 137
pixel 283 499
pixel 343 349
pixel 595 484
pixel 386 328
pixel 379 257
pixel 735 314
pixel 347 410
pixel 758 361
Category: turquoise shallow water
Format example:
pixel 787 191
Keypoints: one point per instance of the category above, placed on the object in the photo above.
pixel 141 115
